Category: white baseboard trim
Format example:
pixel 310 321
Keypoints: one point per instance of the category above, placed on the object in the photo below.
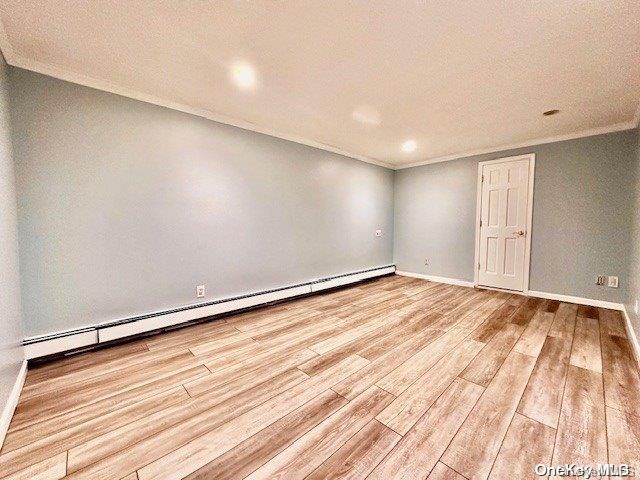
pixel 84 337
pixel 530 293
pixel 12 402
pixel 433 278
pixel 578 300
pixel 631 335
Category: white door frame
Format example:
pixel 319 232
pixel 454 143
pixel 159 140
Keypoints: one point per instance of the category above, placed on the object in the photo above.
pixel 527 251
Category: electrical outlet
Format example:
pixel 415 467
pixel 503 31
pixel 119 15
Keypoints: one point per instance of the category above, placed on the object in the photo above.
pixel 379 233
pixel 200 291
pixel 609 281
pixel 426 262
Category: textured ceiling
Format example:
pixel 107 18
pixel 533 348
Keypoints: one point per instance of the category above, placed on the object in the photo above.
pixel 358 77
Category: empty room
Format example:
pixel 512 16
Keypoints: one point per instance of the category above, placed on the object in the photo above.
pixel 319 240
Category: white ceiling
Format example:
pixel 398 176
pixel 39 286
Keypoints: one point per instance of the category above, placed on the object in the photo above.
pixel 458 77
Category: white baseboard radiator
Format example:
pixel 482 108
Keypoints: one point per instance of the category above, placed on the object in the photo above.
pixel 90 336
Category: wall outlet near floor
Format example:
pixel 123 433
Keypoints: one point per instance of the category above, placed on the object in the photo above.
pixel 426 262
pixel 379 233
pixel 608 281
pixel 200 291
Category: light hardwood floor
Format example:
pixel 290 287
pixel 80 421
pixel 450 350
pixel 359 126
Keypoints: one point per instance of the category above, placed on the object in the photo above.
pixel 393 378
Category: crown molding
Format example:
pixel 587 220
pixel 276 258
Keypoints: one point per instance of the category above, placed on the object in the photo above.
pixel 16 60
pixel 618 127
pixel 110 87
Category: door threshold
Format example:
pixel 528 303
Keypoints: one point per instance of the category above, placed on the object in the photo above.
pixel 505 290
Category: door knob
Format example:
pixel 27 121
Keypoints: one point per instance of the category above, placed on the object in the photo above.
pixel 520 233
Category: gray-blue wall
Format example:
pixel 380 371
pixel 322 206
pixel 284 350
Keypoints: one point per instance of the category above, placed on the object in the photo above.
pixel 125 207
pixel 633 302
pixel 581 216
pixel 11 353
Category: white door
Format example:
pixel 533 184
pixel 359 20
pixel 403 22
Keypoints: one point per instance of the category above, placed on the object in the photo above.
pixel 503 224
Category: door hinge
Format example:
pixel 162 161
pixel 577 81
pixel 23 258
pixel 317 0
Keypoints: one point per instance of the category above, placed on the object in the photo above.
pixel 482 179
pixel 480 222
pixel 478 266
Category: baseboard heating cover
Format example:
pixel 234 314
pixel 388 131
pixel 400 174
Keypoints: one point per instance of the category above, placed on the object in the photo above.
pixel 44 345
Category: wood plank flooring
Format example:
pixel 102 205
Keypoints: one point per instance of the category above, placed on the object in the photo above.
pixel 392 378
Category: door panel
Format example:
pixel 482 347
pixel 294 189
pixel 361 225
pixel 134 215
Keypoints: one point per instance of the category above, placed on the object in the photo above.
pixel 503 215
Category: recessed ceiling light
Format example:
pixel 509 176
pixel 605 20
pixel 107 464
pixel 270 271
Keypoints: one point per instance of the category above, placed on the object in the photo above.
pixel 367 115
pixel 243 75
pixel 550 112
pixel 409 146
